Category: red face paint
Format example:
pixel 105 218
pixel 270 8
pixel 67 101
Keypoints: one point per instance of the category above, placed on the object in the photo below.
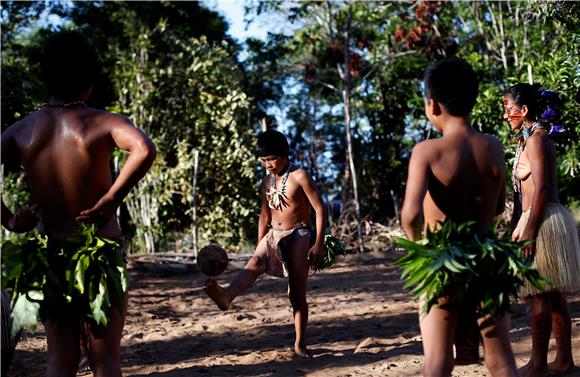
pixel 512 113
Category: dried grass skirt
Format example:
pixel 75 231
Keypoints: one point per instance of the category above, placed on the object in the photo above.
pixel 557 250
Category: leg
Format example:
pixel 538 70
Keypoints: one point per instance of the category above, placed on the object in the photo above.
pixel 541 309
pixel 466 340
pixel 104 344
pixel 255 267
pixel 499 357
pixel 84 365
pixel 63 348
pixel 562 328
pixel 8 342
pixel 438 331
pixel 296 255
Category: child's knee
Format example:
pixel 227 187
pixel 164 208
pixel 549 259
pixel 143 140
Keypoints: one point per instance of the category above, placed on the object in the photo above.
pixel 257 262
pixel 297 299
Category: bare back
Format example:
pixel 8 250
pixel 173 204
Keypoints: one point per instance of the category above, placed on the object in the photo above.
pixel 466 180
pixel 66 154
pixel 459 176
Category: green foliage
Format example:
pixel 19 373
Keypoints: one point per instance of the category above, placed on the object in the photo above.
pixel 332 248
pixel 457 263
pixel 15 194
pixel 191 93
pixel 82 275
pixel 22 89
pixel 192 100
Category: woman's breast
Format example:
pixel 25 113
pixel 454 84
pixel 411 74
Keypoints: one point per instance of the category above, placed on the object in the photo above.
pixel 523 170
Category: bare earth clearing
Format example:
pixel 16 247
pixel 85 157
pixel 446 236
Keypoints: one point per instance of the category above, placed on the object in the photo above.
pixel 362 323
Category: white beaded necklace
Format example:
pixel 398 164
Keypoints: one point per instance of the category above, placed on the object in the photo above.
pixel 277 197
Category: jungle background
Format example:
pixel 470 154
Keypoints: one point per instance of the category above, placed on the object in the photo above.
pixel 342 81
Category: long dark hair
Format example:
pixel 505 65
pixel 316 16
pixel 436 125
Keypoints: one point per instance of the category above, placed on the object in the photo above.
pixel 544 106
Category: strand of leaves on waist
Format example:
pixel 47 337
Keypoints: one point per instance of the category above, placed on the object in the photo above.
pixel 94 277
pixel 456 262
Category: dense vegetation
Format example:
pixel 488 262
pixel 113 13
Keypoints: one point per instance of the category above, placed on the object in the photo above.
pixel 346 75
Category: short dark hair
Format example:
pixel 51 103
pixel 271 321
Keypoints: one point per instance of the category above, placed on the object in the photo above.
pixel 453 83
pixel 272 143
pixel 69 64
pixel 543 105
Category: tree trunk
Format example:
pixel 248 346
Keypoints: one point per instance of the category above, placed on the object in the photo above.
pixel 346 79
pixel 194 238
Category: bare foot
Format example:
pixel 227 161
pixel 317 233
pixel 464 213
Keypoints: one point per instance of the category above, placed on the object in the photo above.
pixel 84 366
pixel 534 370
pixel 217 294
pixel 561 366
pixel 302 352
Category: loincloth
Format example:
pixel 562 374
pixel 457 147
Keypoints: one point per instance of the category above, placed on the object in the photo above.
pixel 78 278
pixel 278 240
pixel 60 256
pixel 464 267
pixel 557 250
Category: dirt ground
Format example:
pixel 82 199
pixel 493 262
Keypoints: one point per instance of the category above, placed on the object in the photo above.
pixel 362 323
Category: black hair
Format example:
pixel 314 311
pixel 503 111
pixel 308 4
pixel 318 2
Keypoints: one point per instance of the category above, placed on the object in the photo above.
pixel 69 64
pixel 272 143
pixel 543 105
pixel 453 83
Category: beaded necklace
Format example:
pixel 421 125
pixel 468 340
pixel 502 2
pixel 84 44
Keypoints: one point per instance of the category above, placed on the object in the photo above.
pixel 67 104
pixel 277 197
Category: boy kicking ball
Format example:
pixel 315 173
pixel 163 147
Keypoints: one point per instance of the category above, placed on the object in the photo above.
pixel 284 247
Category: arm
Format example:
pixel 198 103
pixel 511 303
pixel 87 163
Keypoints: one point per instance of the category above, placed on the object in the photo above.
pixel 417 184
pixel 501 198
pixel 537 156
pixel 501 173
pixel 26 218
pixel 141 156
pixel 316 252
pixel 517 212
pixel 265 214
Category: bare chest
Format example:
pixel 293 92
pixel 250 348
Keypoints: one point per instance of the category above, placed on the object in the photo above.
pixel 282 193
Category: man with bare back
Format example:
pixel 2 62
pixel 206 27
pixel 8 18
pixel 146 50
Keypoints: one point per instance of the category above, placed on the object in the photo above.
pixel 65 148
pixel 457 177
pixel 284 246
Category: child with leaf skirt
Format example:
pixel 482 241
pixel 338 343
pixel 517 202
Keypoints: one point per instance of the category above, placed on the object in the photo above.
pixel 284 240
pixel 73 274
pixel 454 179
pixel 531 112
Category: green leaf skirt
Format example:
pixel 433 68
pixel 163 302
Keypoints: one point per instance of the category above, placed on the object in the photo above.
pixel 469 268
pixel 78 278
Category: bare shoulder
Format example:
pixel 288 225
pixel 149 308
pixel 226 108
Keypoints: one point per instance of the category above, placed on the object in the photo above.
pixel 493 142
pixel 300 175
pixel 23 123
pixel 537 139
pixel 265 181
pixel 110 119
pixel 426 150
pixel 491 139
pixel 537 143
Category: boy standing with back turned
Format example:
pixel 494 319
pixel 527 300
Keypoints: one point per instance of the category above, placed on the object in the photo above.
pixel 458 177
pixel 284 246
pixel 65 148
